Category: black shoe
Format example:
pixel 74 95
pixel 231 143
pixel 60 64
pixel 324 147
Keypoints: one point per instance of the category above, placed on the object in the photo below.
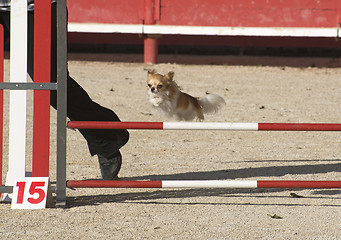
pixel 110 166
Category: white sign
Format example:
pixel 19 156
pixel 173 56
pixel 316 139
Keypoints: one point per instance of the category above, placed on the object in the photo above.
pixel 30 193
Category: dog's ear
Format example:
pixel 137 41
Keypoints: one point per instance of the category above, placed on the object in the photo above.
pixel 169 76
pixel 151 72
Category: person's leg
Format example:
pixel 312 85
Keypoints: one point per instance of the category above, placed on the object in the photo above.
pixel 4 21
pixel 80 107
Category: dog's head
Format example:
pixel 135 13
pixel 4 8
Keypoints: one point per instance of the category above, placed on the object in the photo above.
pixel 158 83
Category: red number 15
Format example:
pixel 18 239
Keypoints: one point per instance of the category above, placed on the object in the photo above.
pixel 34 188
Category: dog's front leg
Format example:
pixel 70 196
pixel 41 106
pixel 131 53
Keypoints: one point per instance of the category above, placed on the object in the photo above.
pixel 156 101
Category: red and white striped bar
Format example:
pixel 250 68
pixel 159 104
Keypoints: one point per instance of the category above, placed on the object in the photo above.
pixel 206 126
pixel 203 184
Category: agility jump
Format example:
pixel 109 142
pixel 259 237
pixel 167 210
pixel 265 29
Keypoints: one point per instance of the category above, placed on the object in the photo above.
pixel 204 126
pixel 61 183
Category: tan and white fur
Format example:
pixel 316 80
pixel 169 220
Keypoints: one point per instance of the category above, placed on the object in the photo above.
pixel 164 93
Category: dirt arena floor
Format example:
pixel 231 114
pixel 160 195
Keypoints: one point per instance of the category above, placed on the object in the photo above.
pixel 255 90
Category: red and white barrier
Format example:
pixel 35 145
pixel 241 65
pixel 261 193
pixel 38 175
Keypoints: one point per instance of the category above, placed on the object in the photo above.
pixel 206 126
pixel 202 184
pixel 17 97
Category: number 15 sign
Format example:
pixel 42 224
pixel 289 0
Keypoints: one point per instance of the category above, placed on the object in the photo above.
pixel 30 193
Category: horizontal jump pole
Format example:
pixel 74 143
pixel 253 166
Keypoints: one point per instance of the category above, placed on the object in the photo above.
pixel 206 126
pixel 202 184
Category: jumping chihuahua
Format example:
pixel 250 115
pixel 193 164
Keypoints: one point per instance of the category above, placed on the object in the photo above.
pixel 164 94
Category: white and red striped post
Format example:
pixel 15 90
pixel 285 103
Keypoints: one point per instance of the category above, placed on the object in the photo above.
pixel 18 100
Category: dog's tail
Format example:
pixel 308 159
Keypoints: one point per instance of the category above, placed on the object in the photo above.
pixel 211 103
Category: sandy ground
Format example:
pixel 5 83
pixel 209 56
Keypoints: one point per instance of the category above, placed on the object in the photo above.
pixel 256 90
